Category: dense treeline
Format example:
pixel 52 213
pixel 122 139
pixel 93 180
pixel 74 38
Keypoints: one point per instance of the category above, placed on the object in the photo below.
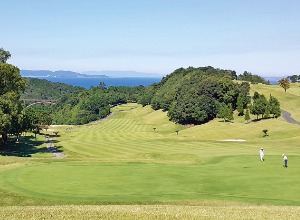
pixel 294 78
pixel 85 106
pixel 254 79
pixel 266 108
pixel 43 89
pixel 195 95
pixel 75 105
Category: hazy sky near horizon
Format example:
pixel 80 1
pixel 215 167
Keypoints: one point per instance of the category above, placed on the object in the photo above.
pixel 159 36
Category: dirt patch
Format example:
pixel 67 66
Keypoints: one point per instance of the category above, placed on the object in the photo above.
pixel 59 155
pixel 51 148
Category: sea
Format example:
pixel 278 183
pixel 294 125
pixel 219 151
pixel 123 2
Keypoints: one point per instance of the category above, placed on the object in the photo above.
pixel 108 81
pixel 115 81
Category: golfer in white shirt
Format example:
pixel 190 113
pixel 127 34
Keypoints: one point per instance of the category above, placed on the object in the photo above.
pixel 261 154
pixel 285 160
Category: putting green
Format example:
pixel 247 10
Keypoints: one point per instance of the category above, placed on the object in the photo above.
pixel 238 178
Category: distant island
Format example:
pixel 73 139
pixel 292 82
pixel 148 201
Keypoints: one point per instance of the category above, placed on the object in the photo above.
pixel 86 74
pixel 120 74
pixel 58 74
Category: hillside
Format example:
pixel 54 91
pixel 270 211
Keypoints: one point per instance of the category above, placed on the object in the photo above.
pixel 198 95
pixel 43 89
pixel 289 100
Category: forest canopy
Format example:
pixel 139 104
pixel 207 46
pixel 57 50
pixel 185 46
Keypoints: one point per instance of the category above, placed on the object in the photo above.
pixel 195 95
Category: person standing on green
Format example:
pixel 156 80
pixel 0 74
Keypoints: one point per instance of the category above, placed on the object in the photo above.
pixel 285 161
pixel 261 154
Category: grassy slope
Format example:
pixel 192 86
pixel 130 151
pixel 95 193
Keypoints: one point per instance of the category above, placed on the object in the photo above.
pixel 290 100
pixel 123 160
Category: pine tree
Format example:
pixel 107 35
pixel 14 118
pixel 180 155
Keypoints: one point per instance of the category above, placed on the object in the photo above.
pixel 225 112
pixel 240 107
pixel 267 111
pixel 247 115
pixel 229 113
pixel 274 106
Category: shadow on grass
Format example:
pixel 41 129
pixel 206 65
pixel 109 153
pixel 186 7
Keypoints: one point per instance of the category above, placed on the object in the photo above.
pixel 26 147
pixel 226 121
pixel 59 149
pixel 50 135
pixel 259 119
pixel 262 119
pixel 51 141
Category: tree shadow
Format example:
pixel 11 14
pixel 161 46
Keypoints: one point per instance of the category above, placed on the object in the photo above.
pixel 225 121
pixel 49 135
pixel 51 141
pixel 26 147
pixel 59 149
pixel 258 119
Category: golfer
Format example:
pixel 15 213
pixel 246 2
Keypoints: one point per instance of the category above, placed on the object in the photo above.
pixel 285 161
pixel 261 154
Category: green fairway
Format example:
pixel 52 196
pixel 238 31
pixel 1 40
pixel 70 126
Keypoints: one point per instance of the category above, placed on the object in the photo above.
pixel 239 178
pixel 136 157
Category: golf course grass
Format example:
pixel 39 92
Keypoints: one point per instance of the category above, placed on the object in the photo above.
pixel 134 165
pixel 221 179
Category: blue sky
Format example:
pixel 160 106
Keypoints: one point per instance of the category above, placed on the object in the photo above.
pixel 156 36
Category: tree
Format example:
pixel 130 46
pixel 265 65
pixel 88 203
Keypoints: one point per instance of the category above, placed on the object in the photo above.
pixel 101 85
pixel 255 95
pixel 146 96
pixel 240 107
pixel 284 83
pixel 244 89
pixel 11 84
pixel 16 122
pixel 265 131
pixel 192 109
pixel 30 119
pixel 274 107
pixel 267 111
pixel 225 112
pixel 45 119
pixel 243 97
pixel 247 76
pixel 4 55
pixel 294 78
pixel 35 120
pixel 227 91
pixel 259 105
pixel 247 115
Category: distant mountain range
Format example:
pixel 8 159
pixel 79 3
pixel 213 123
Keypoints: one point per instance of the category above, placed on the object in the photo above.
pixel 60 73
pixel 87 74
